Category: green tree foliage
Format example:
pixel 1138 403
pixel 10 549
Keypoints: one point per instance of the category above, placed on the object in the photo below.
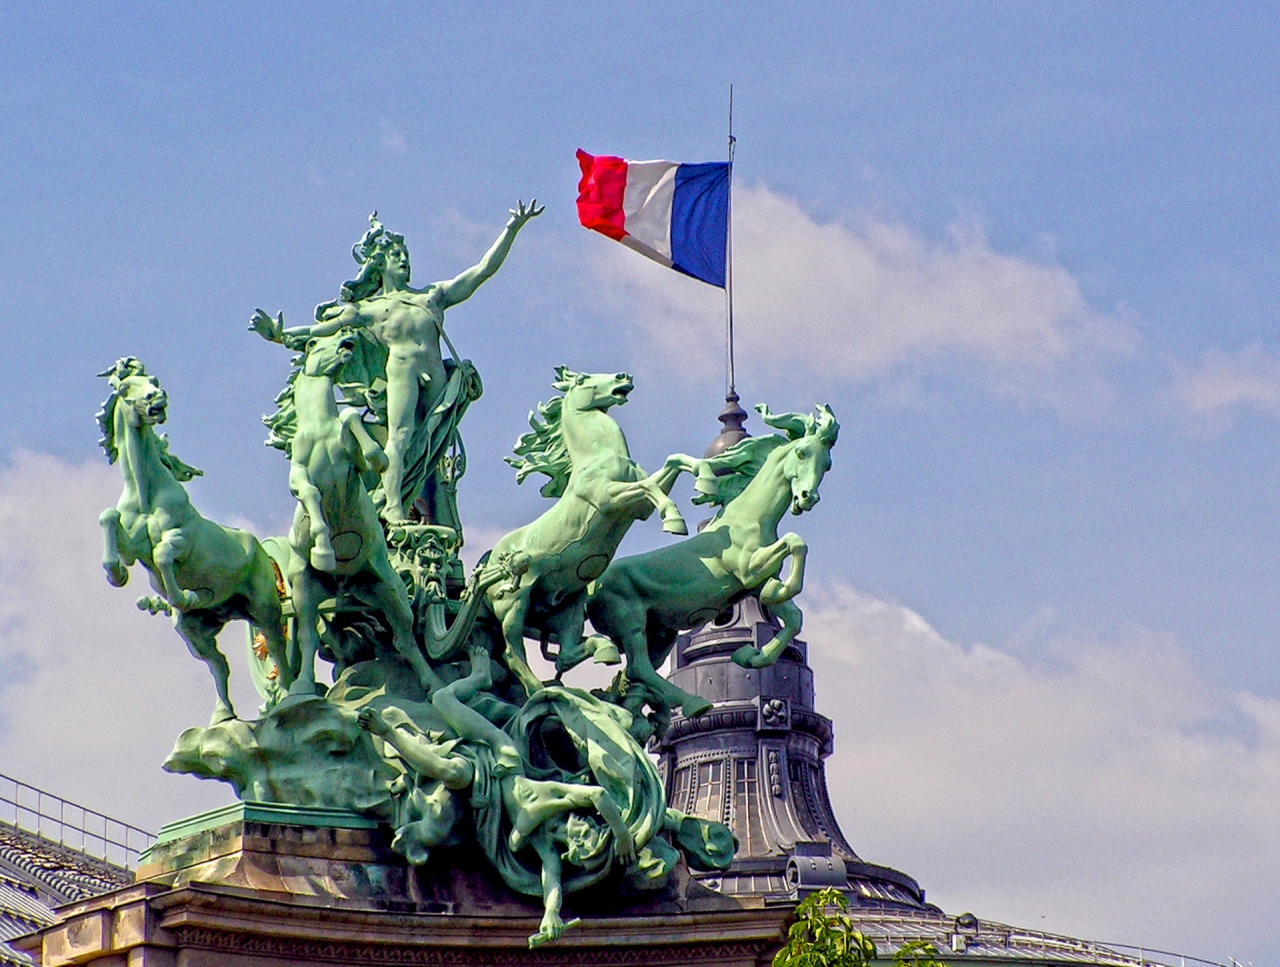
pixel 823 935
pixel 917 953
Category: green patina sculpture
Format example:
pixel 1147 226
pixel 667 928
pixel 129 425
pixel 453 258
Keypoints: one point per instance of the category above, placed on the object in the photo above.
pixel 435 723
pixel 204 574
pixel 422 398
pixel 601 492
pixel 643 602
pixel 336 537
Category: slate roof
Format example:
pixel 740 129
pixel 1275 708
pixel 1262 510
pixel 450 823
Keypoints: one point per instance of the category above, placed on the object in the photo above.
pixel 37 875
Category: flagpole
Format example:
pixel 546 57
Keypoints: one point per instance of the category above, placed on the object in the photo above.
pixel 731 393
pixel 732 416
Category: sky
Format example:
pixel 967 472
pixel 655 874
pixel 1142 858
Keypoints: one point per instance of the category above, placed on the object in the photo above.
pixel 1028 252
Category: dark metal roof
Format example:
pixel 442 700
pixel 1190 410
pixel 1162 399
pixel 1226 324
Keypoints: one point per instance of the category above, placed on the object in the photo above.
pixel 47 859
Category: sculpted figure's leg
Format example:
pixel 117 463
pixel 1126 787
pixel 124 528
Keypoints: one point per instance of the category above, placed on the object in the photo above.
pixel 569 623
pixel 672 522
pixel 766 562
pixel 394 603
pixel 618 610
pixel 369 451
pixel 775 591
pixel 511 609
pixel 200 630
pixel 750 657
pixel 307 595
pixel 117 573
pixel 622 496
pixel 470 724
pixel 168 550
pixel 640 668
pixel 321 556
pixel 676 464
pixel 402 404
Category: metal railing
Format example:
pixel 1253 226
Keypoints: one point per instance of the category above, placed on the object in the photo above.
pixel 1147 955
pixel 70 825
pixel 1131 953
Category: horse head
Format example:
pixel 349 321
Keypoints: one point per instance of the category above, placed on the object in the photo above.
pixel 809 453
pixel 326 355
pixel 593 391
pixel 143 399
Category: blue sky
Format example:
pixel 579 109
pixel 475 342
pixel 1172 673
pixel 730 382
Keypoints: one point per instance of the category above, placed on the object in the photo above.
pixel 1030 253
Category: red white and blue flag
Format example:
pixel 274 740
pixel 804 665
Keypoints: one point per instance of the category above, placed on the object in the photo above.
pixel 677 215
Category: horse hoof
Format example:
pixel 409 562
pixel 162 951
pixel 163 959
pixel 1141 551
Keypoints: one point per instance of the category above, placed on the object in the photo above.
pixel 695 707
pixel 675 526
pixel 323 560
pixel 606 653
pixel 221 713
pixel 117 575
pixel 746 656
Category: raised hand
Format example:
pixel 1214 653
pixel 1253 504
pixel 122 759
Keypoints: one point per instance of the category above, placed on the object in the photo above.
pixel 520 214
pixel 269 329
pixel 370 720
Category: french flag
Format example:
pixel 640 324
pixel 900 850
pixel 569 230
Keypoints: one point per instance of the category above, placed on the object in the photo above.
pixel 675 214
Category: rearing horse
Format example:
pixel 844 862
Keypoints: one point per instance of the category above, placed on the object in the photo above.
pixel 643 602
pixel 207 573
pixel 336 538
pixel 602 492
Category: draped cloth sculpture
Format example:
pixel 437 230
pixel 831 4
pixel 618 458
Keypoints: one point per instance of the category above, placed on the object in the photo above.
pixel 435 723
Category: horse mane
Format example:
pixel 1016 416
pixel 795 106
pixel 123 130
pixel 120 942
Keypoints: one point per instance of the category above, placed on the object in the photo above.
pixel 543 450
pixel 107 426
pixel 722 478
pixel 182 472
pixel 120 370
pixel 123 368
pixel 361 381
pixel 282 425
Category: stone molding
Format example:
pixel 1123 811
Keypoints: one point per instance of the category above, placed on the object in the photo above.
pixel 746 715
pixel 298 950
pixel 205 924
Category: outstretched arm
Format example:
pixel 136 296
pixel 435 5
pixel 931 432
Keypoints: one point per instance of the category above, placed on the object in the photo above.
pixel 552 926
pixel 273 330
pixel 461 288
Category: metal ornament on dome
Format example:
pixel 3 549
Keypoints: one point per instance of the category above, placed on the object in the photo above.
pixel 755 760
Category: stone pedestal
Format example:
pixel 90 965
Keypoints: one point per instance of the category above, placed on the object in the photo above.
pixel 268 886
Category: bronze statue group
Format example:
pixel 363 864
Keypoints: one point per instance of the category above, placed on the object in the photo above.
pixel 435 722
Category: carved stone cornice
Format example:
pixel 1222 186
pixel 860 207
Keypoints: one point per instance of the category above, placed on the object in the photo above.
pixel 301 950
pixel 737 716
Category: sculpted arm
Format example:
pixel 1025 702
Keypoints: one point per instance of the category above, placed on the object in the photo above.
pixel 463 286
pixel 273 330
pixel 453 770
pixel 552 894
pixel 625 847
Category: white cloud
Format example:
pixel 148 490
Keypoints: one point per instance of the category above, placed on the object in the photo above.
pixel 392 138
pixel 1224 383
pixel 479 539
pixel 102 690
pixel 1117 797
pixel 862 298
